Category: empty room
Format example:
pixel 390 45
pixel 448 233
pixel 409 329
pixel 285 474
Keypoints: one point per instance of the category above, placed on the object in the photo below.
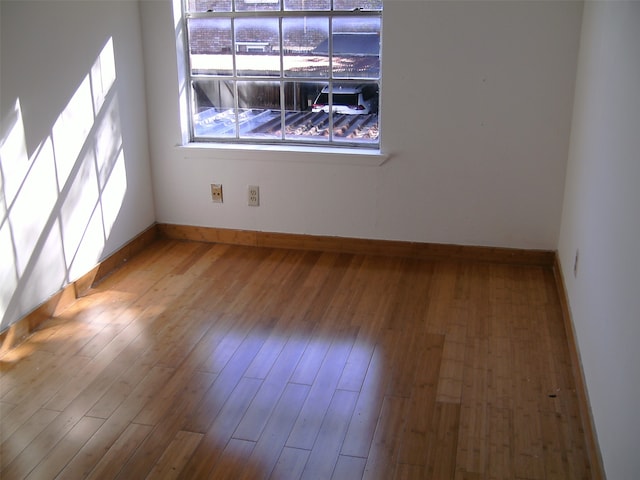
pixel 328 239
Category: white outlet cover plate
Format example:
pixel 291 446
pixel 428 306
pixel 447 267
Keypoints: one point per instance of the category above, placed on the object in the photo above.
pixel 253 195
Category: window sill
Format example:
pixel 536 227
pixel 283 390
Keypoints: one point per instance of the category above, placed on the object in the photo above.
pixel 283 153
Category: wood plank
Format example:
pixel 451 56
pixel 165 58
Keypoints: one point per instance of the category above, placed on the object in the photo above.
pixel 500 458
pixel 290 464
pixel 68 334
pixel 54 377
pixel 443 441
pixel 270 445
pixel 324 332
pixel 115 440
pixel 201 419
pixel 20 367
pixel 220 430
pixel 377 277
pixel 555 462
pixel 403 363
pixel 472 455
pixel 271 390
pixel 234 459
pixel 462 474
pixel 147 454
pixel 104 369
pixel 367 410
pixel 422 403
pixel 178 388
pixel 382 459
pixel 406 471
pixel 194 257
pixel 66 448
pixel 111 462
pixel 191 327
pixel 31 393
pixel 175 456
pixel 5 409
pixel 441 295
pixel 315 407
pixel 46 440
pixel 348 468
pixel 356 366
pixel 451 371
pixel 408 307
pixel 120 390
pixel 326 448
pixel 17 442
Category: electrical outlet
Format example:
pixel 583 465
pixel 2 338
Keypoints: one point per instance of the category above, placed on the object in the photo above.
pixel 216 192
pixel 254 196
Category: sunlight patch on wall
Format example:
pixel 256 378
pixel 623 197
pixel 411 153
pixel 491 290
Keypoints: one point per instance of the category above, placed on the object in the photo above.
pixel 84 231
pixel 59 206
pixel 107 139
pixel 90 246
pixel 71 131
pixel 79 205
pixel 8 277
pixel 13 167
pixel 13 156
pixel 32 207
pixel 45 265
pixel 113 193
pixel 103 76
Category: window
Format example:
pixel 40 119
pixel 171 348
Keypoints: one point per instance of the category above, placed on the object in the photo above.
pixel 284 71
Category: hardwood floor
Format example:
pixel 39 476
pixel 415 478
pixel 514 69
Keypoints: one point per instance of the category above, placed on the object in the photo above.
pixel 214 361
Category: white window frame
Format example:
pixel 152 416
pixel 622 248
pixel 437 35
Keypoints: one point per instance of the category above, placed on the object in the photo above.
pixel 328 145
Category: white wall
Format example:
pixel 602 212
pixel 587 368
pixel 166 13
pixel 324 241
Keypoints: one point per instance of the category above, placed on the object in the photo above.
pixel 601 218
pixel 74 157
pixel 477 102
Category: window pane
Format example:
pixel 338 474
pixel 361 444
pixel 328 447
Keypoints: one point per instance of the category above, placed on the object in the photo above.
pixel 302 123
pixel 214 109
pixel 257 5
pixel 209 6
pixel 257 47
pixel 357 4
pixel 259 113
pixel 307 5
pixel 355 113
pixel 301 39
pixel 356 47
pixel 210 46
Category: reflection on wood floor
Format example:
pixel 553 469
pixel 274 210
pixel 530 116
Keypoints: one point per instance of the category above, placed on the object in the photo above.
pixel 200 360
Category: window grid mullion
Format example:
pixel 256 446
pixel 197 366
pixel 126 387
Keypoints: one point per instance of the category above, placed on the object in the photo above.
pixel 236 100
pixel 283 112
pixel 330 49
pixel 187 53
pixel 285 14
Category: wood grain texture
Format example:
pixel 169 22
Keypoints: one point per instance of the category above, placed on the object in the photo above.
pixel 202 360
pixel 588 424
pixel 419 250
